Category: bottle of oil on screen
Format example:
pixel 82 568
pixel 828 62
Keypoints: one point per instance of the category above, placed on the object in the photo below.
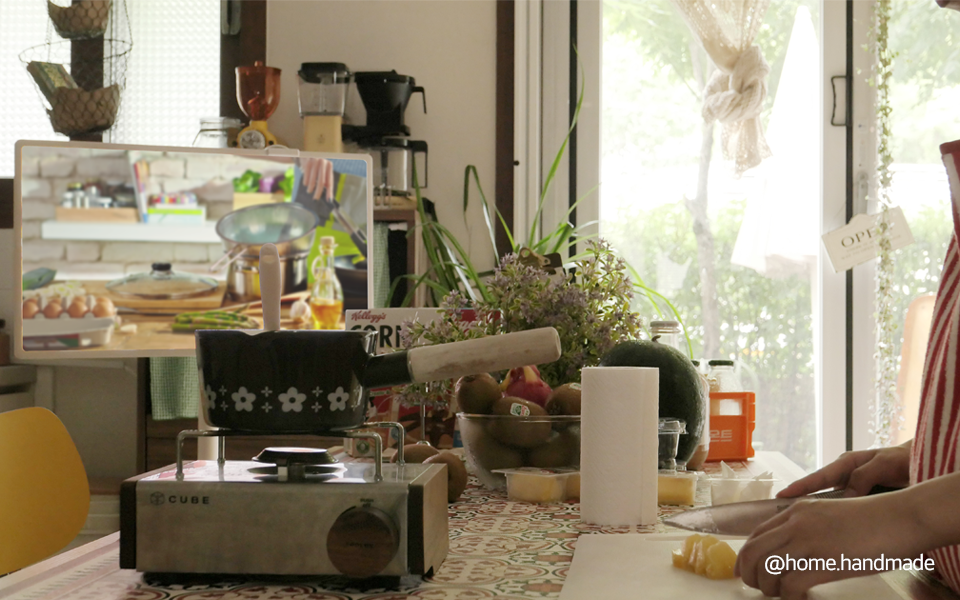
pixel 326 297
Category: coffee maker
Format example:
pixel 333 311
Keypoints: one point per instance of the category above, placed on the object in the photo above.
pixel 385 95
pixel 322 96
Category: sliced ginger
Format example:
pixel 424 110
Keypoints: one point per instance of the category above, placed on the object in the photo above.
pixel 707 556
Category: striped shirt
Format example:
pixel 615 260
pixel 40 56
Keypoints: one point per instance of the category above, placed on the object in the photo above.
pixel 938 426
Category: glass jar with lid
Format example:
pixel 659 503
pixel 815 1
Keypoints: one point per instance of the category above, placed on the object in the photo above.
pixel 668 332
pixel 217 132
pixel 723 376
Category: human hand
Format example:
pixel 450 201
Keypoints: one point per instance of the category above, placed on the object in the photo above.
pixel 318 177
pixel 855 528
pixel 857 473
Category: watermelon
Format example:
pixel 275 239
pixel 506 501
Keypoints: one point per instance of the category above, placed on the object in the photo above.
pixel 680 395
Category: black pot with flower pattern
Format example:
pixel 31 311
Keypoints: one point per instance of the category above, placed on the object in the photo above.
pixel 316 381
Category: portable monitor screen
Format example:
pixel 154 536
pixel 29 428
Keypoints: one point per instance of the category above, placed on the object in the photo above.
pixel 126 250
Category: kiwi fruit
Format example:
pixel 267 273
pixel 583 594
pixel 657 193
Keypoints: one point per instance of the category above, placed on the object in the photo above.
pixel 513 429
pixel 564 400
pixel 477 393
pixel 486 453
pixel 416 453
pixel 456 473
pixel 555 452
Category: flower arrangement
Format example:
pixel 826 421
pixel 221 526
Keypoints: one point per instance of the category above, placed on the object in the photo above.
pixel 589 308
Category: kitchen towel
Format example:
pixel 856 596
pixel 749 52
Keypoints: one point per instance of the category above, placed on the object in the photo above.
pixel 174 388
pixel 618 445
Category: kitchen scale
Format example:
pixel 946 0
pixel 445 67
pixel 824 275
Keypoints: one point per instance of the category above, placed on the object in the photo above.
pixel 289 511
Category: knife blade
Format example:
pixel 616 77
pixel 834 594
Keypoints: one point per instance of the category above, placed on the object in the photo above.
pixel 741 518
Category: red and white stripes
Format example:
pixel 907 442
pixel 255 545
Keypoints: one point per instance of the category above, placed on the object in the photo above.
pixel 938 427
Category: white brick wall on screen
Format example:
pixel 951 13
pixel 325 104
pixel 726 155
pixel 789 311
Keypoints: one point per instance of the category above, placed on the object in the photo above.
pixel 47 175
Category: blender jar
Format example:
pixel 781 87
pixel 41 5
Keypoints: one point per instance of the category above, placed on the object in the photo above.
pixel 323 88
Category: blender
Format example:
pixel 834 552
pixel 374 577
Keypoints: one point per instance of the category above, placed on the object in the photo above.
pixel 258 93
pixel 323 95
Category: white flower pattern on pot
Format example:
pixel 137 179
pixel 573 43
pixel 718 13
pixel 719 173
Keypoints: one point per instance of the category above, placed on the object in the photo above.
pixel 338 399
pixel 243 399
pixel 266 391
pixel 211 396
pixel 317 391
pixel 292 400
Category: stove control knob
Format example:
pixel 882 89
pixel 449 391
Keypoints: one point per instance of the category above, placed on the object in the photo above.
pixel 362 541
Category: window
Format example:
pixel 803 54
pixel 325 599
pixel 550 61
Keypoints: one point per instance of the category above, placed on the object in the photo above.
pixel 172 75
pixel 737 257
pixel 650 152
pixel 22 24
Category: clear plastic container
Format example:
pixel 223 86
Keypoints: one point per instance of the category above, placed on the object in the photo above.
pixel 540 486
pixel 669 431
pixel 725 490
pixel 676 488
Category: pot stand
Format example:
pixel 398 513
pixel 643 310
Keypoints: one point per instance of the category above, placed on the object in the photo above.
pixel 353 432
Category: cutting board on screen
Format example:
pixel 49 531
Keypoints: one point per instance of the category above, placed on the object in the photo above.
pixel 205 302
pixel 639 566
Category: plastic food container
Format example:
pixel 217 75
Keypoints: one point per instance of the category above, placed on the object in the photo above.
pixel 725 490
pixel 676 488
pixel 540 486
pixel 66 334
pixel 669 436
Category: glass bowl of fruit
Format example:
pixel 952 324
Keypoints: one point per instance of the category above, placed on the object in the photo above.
pixel 504 431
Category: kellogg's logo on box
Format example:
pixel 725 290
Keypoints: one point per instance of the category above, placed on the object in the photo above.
pixel 388 322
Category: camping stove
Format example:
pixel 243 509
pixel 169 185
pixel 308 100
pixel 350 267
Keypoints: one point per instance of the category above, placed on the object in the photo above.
pixel 290 511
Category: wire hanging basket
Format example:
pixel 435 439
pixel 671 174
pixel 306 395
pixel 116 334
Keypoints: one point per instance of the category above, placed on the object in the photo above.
pixel 82 20
pixel 80 79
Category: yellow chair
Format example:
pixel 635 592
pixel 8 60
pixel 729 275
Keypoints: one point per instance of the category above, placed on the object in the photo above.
pixel 916 330
pixel 44 494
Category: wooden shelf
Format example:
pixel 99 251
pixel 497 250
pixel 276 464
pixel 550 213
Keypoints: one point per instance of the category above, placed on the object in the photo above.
pixel 130 232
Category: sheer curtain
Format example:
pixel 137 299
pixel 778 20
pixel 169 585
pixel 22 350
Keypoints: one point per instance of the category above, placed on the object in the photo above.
pixel 736 91
pixel 173 72
pixel 22 25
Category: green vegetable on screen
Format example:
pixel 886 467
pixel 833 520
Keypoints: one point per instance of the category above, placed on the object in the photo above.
pixel 286 185
pixel 248 182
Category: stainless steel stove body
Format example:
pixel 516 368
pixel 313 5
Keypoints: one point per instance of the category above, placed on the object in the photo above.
pixel 238 517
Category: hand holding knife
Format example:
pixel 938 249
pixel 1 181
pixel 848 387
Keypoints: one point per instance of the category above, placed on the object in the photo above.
pixel 741 518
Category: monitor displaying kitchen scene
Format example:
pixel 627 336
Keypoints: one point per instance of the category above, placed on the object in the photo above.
pixel 127 250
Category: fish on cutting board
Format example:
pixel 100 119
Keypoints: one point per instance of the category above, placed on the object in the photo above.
pixel 640 565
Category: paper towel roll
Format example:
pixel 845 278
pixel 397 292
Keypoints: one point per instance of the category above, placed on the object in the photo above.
pixel 618 445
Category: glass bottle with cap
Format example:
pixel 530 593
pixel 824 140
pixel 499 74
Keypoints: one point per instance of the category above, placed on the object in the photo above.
pixel 723 376
pixel 669 332
pixel 703 447
pixel 326 297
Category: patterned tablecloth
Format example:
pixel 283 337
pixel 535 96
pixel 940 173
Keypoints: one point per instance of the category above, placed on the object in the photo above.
pixel 498 549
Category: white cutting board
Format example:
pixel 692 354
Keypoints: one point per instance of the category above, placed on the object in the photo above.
pixel 639 565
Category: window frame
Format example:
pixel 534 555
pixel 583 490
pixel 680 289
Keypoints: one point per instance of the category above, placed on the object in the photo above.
pixel 844 338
